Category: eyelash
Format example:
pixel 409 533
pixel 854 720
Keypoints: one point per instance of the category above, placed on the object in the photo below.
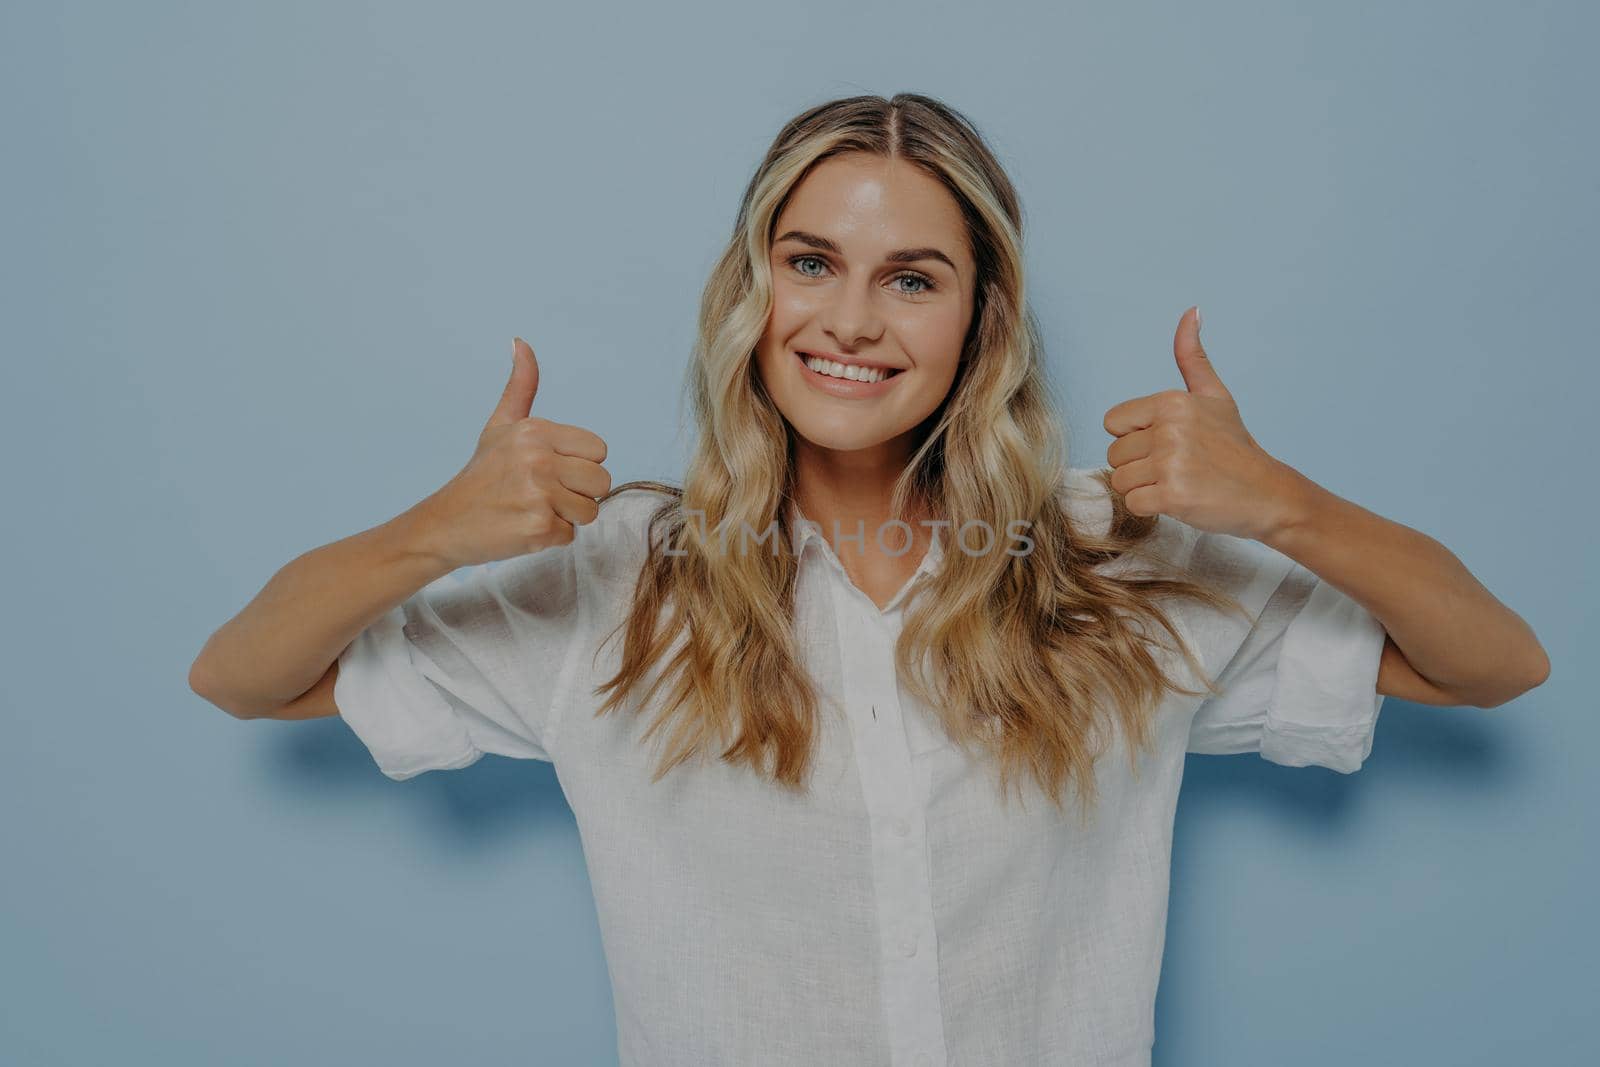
pixel 928 285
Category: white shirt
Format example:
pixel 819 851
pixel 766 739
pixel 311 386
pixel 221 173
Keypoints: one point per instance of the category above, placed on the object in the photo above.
pixel 899 914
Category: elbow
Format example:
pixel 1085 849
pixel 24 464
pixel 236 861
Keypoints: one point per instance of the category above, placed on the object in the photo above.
pixel 1535 675
pixel 1540 671
pixel 203 685
pixel 1537 671
pixel 199 680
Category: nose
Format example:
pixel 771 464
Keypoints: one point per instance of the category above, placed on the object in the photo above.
pixel 851 317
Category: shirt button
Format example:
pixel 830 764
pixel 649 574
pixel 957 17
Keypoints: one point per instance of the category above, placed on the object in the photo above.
pixel 908 947
pixel 901 827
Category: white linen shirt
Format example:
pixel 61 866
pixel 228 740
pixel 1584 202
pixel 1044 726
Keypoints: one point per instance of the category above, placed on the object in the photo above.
pixel 899 914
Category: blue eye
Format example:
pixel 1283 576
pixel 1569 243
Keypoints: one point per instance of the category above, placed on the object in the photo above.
pixel 926 283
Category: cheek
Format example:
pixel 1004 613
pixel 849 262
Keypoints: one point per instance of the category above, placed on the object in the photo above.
pixel 935 340
pixel 770 356
pixel 789 312
pixel 790 307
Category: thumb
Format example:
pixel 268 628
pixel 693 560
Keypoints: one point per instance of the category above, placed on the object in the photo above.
pixel 517 399
pixel 1193 363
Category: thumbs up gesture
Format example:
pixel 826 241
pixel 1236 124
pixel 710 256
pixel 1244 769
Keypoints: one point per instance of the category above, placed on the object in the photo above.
pixel 528 484
pixel 1186 453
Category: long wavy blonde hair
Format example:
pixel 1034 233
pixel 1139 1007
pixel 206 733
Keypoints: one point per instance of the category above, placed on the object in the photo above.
pixel 1031 658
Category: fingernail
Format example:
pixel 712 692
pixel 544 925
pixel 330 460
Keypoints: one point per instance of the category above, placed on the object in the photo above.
pixel 513 351
pixel 1197 322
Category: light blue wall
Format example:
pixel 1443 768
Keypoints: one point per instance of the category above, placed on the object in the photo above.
pixel 261 272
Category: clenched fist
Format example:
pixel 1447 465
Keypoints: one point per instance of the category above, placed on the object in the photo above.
pixel 528 484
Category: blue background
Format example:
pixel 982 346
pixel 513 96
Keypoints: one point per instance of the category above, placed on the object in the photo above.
pixel 262 268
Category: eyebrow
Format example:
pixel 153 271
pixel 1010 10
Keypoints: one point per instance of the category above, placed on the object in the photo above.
pixel 899 255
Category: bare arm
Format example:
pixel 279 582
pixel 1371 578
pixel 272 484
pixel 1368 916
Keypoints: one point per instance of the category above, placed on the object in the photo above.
pixel 1451 642
pixel 282 647
pixel 529 481
pixel 1187 453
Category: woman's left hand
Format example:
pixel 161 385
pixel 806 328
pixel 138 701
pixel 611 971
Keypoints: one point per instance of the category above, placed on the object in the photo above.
pixel 1186 453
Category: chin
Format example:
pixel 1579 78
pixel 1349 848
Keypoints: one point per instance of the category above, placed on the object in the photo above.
pixel 841 437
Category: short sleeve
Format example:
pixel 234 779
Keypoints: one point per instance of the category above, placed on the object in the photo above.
pixel 473 663
pixel 1301 688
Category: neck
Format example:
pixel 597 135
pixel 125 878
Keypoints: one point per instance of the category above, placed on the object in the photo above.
pixel 855 490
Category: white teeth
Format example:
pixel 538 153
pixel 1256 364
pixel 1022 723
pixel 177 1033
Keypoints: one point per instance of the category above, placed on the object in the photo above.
pixel 849 372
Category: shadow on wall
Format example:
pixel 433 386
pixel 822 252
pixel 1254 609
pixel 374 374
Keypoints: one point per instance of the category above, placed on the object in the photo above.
pixel 1440 748
pixel 464 811
pixel 472 808
pixel 1441 753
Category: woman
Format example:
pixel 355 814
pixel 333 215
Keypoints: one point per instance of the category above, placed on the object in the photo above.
pixel 808 708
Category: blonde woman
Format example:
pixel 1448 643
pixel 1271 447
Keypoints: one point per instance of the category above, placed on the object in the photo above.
pixel 874 728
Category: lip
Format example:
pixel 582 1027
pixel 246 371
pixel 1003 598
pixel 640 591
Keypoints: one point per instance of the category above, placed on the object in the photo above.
pixel 849 361
pixel 843 387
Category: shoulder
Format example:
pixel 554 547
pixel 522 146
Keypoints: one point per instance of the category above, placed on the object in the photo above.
pixel 633 503
pixel 597 567
pixel 615 545
pixel 1087 498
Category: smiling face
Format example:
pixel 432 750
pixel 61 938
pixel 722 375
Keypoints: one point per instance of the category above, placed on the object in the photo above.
pixel 870 268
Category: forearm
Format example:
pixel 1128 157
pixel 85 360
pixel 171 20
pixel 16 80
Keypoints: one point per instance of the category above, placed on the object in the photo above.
pixel 285 639
pixel 1452 630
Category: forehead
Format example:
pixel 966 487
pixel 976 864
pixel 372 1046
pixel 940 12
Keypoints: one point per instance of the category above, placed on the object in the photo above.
pixel 868 203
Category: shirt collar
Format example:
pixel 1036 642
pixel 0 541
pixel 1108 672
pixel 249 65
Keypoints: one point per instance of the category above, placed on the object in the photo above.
pixel 807 532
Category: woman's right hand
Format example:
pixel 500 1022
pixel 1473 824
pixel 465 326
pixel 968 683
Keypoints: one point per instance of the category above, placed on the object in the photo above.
pixel 526 487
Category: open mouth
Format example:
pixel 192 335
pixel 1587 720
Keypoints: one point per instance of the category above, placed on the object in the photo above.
pixel 846 372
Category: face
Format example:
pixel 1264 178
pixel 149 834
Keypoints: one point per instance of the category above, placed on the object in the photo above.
pixel 870 268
